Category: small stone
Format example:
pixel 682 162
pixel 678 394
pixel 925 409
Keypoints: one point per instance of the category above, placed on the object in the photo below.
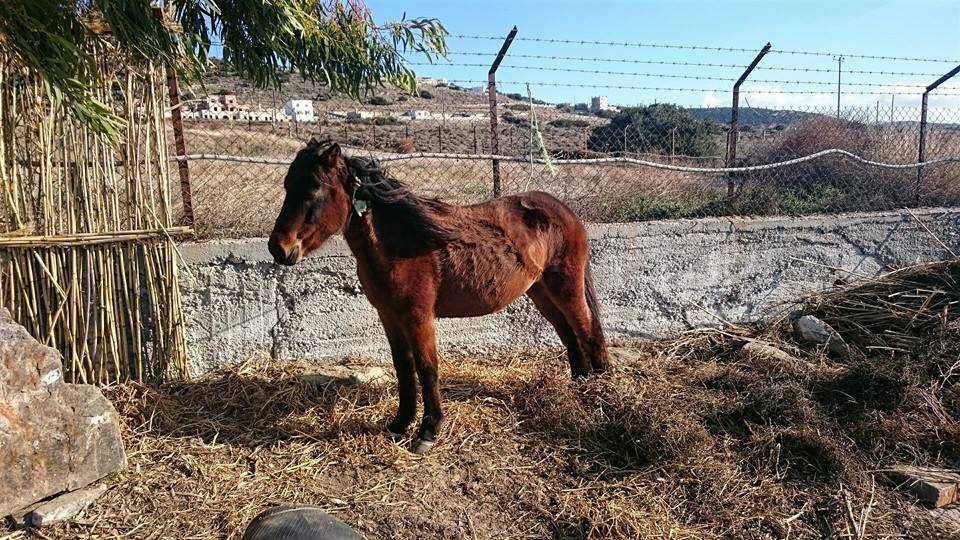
pixel 935 487
pixel 948 518
pixel 345 376
pixel 813 330
pixel 368 376
pixel 65 506
pixel 766 350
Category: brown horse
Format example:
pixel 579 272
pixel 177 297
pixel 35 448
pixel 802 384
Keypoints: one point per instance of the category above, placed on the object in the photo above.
pixel 419 259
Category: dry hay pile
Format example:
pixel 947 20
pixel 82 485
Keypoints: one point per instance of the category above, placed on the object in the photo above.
pixel 688 438
pixel 894 311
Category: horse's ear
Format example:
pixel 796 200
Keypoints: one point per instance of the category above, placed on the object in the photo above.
pixel 331 154
pixel 313 142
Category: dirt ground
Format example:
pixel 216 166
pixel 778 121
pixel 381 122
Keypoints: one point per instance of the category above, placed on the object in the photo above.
pixel 689 438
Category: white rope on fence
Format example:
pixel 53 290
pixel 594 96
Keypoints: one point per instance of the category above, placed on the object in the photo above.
pixel 591 161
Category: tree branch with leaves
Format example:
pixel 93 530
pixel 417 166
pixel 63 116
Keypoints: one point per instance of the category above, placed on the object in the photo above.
pixel 331 42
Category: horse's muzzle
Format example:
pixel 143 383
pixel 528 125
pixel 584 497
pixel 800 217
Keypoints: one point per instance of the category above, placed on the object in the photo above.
pixel 281 256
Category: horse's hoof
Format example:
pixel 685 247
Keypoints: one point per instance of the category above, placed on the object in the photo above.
pixel 394 435
pixel 421 446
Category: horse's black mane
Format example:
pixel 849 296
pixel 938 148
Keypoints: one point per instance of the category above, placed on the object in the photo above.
pixel 405 223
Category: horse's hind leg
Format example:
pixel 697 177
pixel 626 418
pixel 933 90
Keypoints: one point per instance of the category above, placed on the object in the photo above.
pixel 541 299
pixel 567 288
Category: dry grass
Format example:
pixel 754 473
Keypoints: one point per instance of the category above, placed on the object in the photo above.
pixel 687 438
pixel 896 310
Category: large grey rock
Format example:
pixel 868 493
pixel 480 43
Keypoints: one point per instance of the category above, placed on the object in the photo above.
pixel 54 436
pixel 813 330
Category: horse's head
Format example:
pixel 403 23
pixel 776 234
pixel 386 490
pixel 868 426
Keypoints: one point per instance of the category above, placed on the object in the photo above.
pixel 317 203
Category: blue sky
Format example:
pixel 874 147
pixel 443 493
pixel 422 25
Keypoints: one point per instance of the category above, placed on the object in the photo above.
pixel 918 29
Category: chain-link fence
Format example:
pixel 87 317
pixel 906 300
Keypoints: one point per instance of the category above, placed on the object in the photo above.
pixel 654 162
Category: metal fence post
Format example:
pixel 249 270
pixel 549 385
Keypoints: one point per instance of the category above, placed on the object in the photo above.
pixel 922 154
pixel 735 115
pixel 492 95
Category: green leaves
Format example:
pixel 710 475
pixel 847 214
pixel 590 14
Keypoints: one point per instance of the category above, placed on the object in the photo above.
pixel 660 128
pixel 333 43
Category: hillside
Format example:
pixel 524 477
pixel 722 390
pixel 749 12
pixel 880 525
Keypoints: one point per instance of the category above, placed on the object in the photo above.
pixel 457 121
pixel 751 116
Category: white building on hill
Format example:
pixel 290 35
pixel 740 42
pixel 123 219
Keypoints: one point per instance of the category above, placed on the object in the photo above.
pixel 300 110
pixel 599 103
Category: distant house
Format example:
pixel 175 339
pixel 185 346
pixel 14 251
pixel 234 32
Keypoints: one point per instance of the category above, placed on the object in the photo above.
pixel 299 110
pixel 215 111
pixel 417 115
pixel 356 115
pixel 430 81
pixel 220 107
pixel 255 116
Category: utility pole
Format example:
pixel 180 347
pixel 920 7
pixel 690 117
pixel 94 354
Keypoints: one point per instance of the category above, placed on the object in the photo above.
pixel 839 60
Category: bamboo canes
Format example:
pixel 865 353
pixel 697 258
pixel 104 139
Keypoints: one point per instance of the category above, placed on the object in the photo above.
pixel 87 259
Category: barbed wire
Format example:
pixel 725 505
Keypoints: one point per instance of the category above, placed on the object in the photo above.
pixel 673 76
pixel 674 89
pixel 708 64
pixel 592 161
pixel 705 48
pixel 690 64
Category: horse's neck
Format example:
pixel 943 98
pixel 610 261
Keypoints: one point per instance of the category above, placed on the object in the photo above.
pixel 361 239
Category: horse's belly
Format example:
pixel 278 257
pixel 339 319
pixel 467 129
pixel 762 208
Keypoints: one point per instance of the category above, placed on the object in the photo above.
pixel 465 298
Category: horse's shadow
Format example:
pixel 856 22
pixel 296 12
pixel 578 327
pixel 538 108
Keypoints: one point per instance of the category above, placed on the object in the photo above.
pixel 257 411
pixel 266 409
pixel 261 410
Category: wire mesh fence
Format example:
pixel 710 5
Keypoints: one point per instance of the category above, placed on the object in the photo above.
pixel 653 162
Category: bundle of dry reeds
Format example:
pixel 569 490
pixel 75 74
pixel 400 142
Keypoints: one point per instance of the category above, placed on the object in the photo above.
pixel 86 256
pixel 894 310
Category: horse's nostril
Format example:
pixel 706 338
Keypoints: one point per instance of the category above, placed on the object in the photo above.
pixel 293 255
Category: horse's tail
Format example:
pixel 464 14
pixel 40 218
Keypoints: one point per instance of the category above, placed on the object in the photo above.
pixel 596 325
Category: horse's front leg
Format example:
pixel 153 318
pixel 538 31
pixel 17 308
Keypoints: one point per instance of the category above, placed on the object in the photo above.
pixel 406 381
pixel 422 339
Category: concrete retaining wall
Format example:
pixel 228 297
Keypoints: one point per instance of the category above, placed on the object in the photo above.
pixel 654 279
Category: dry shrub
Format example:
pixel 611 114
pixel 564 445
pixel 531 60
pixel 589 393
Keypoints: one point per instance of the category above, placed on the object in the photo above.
pixel 406 146
pixel 827 184
pixel 816 134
